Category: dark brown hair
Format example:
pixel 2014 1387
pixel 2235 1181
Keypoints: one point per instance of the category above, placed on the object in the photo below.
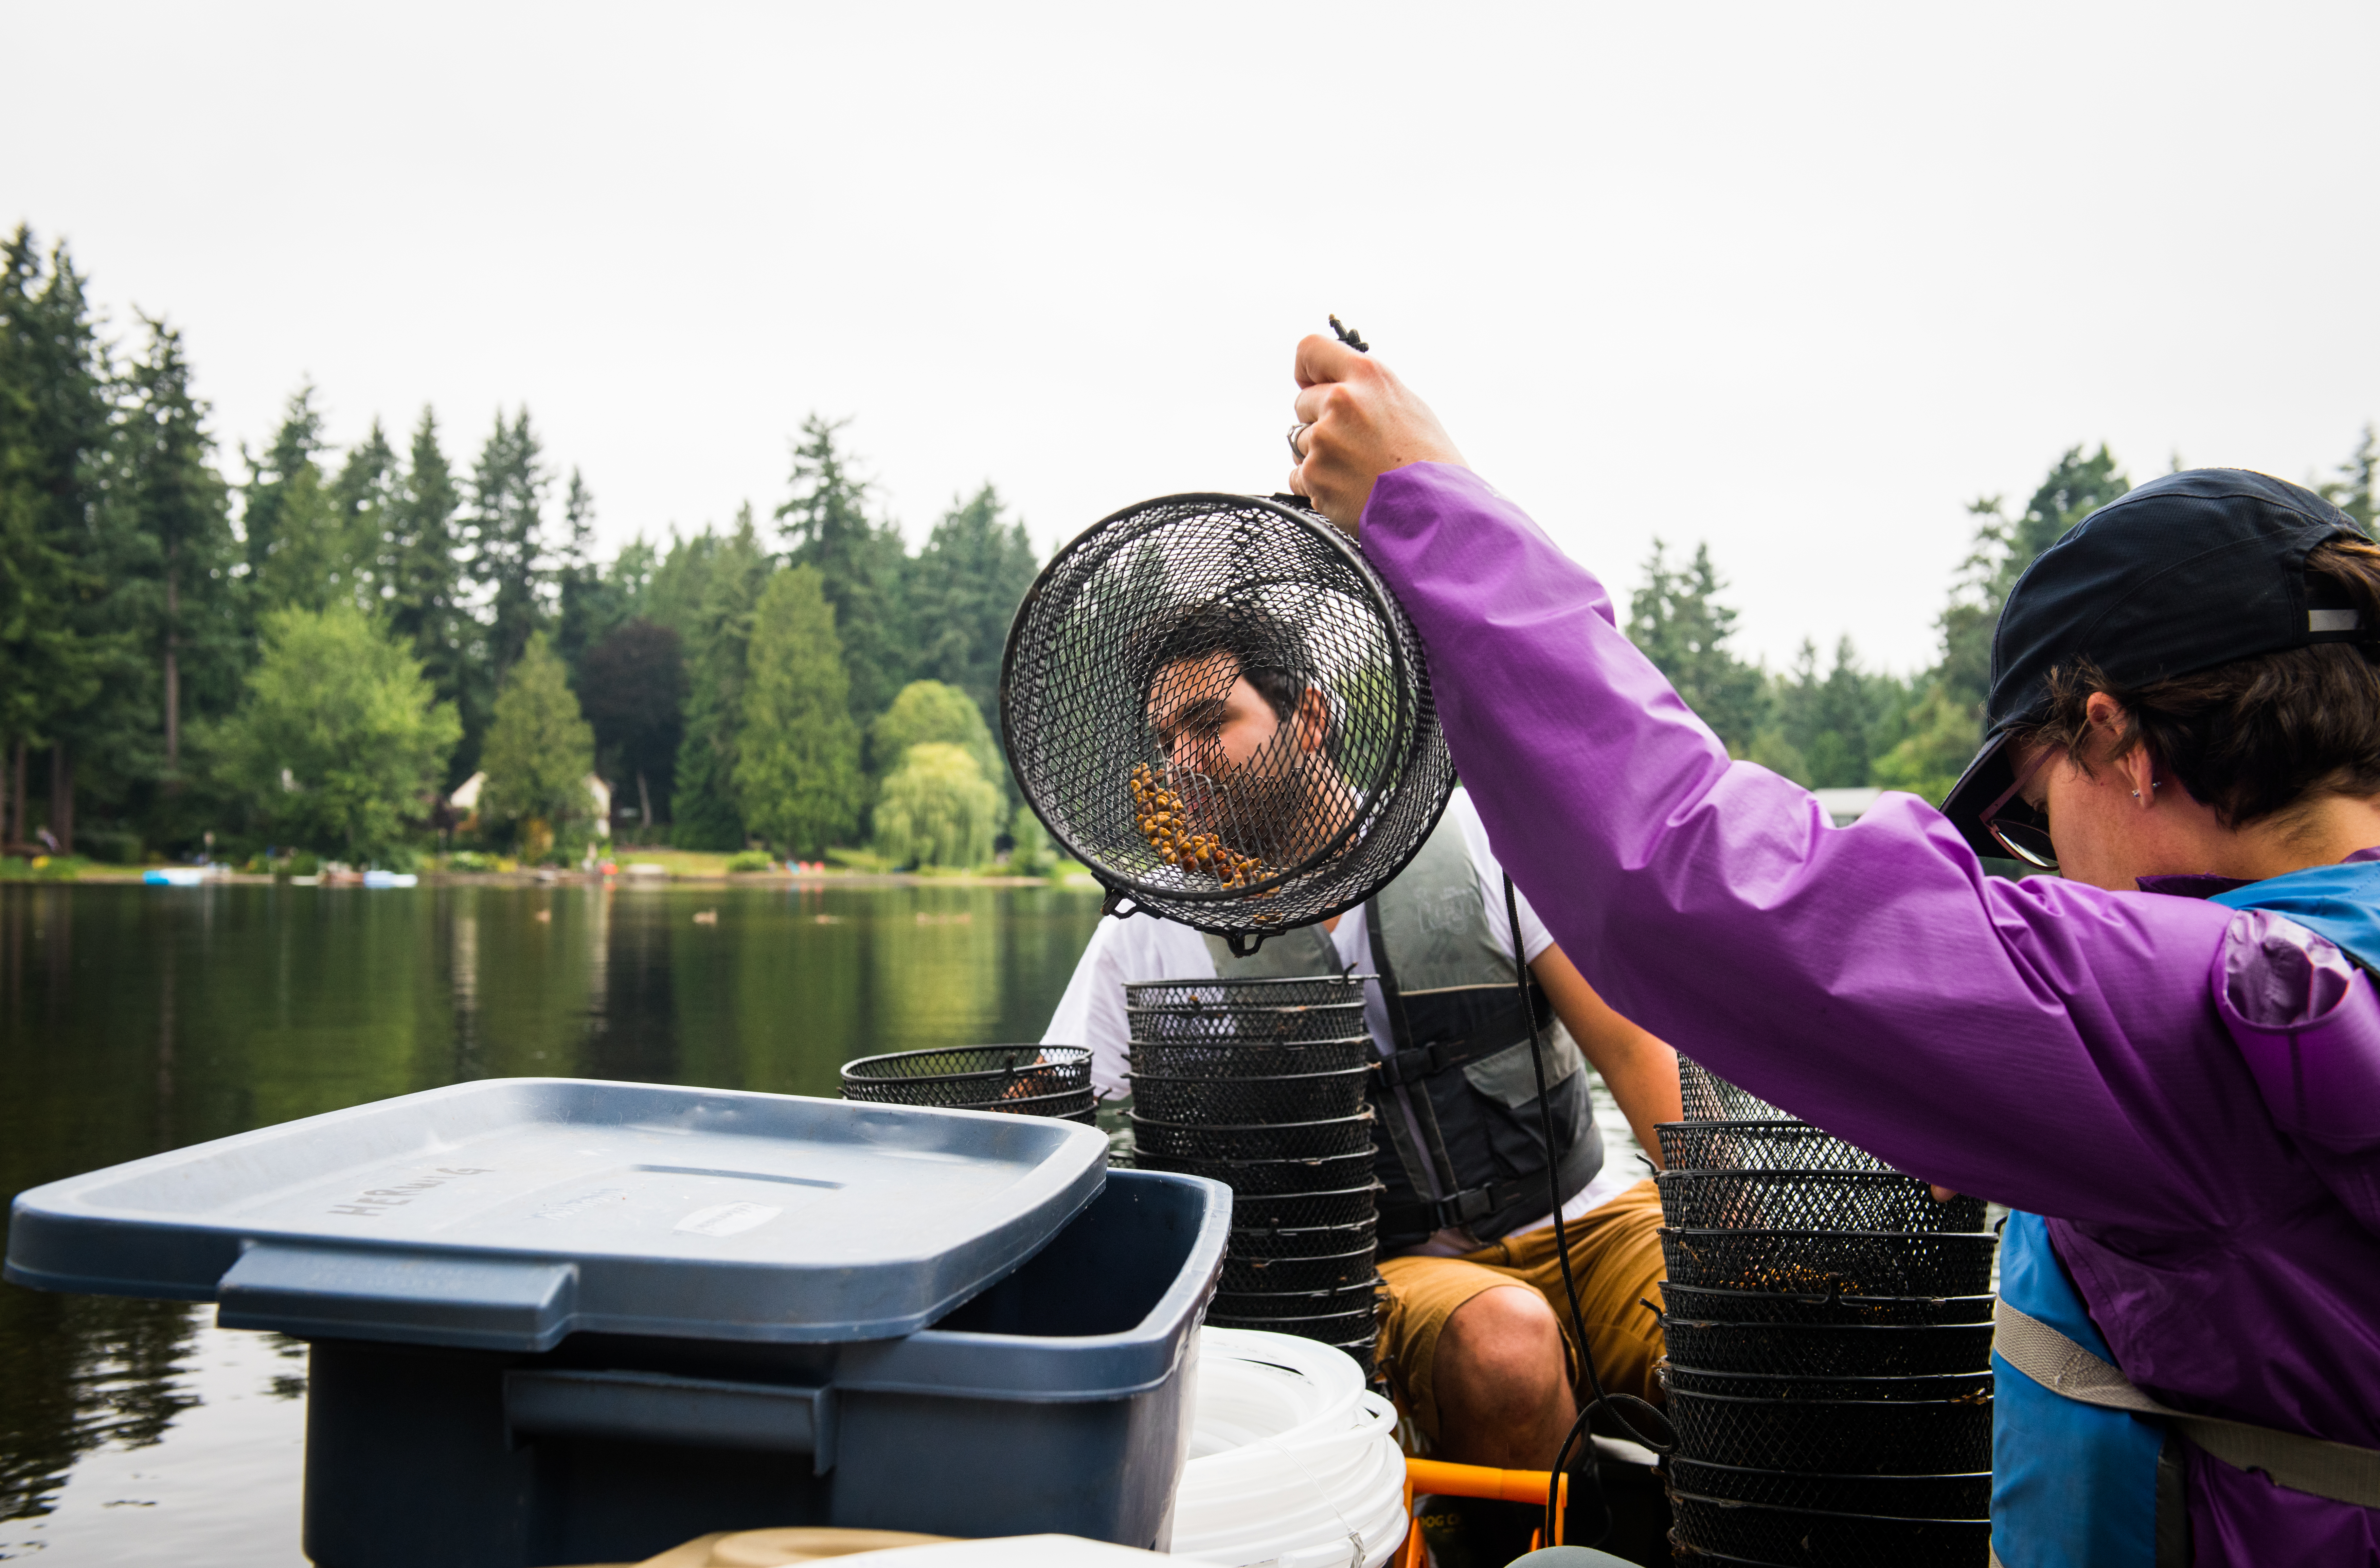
pixel 2257 736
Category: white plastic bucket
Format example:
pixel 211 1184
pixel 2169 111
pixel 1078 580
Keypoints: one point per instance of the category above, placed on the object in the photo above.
pixel 1293 1462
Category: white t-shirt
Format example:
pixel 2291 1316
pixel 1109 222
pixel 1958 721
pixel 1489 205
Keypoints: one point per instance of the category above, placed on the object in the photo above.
pixel 1142 947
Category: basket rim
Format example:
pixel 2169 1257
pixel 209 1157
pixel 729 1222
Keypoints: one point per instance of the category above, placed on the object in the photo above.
pixel 1825 1475
pixel 1771 1402
pixel 962 1074
pixel 1813 1231
pixel 1830 1377
pixel 1667 1319
pixel 1240 1043
pixel 1253 1077
pixel 1827 1297
pixel 1313 1257
pixel 1362 1115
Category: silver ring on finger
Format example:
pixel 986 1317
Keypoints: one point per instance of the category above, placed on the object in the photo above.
pixel 1295 431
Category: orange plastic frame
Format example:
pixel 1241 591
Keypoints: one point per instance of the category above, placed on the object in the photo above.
pixel 1432 1477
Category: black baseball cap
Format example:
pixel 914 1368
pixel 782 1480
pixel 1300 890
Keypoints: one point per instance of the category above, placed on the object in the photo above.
pixel 2190 571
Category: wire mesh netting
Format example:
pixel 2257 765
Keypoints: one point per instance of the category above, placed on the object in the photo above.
pixel 1832 1262
pixel 1803 1200
pixel 1361 1297
pixel 1835 1437
pixel 1905 1497
pixel 1224 999
pixel 1751 1307
pixel 1280 1140
pixel 1791 1538
pixel 1285 1097
pixel 1255 1213
pixel 1207 1060
pixel 1111 695
pixel 1262 1177
pixel 1709 1098
pixel 1828 1350
pixel 1336 1327
pixel 1758 1146
pixel 1046 1080
pixel 1308 1241
pixel 1244 1275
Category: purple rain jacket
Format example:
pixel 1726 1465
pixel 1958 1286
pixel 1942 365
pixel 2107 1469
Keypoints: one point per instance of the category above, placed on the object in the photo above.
pixel 2083 1054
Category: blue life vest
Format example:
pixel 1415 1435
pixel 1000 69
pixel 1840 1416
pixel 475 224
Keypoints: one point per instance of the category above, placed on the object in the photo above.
pixel 2073 1485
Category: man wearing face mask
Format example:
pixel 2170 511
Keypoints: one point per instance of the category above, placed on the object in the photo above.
pixel 1476 1339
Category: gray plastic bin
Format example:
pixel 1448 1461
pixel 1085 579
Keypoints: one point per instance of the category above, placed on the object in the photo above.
pixel 482 1395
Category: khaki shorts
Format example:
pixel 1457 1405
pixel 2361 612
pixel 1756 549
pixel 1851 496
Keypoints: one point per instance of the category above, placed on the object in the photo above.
pixel 1615 1256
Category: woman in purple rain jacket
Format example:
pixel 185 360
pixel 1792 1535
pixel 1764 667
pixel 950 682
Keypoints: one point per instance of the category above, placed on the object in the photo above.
pixel 2166 1059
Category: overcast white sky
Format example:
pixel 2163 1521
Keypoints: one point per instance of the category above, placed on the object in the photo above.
pixel 1798 280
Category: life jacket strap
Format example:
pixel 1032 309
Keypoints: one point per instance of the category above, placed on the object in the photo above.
pixel 2341 1472
pixel 1464 1207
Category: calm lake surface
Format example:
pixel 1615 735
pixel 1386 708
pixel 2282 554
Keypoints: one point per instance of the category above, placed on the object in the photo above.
pixel 137 1019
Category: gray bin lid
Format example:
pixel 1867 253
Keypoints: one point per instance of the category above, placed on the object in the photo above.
pixel 507 1213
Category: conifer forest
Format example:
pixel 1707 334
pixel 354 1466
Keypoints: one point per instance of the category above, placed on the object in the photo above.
pixel 247 655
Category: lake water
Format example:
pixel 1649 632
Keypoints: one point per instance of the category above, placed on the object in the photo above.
pixel 138 1019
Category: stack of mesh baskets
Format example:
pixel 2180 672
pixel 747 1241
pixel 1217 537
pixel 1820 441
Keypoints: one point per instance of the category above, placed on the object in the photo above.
pixel 1830 1338
pixel 1023 1080
pixel 1260 1083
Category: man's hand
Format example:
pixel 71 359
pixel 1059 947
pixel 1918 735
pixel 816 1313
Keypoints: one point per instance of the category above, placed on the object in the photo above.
pixel 1362 422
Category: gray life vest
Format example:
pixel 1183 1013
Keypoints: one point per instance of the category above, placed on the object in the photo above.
pixel 1459 1135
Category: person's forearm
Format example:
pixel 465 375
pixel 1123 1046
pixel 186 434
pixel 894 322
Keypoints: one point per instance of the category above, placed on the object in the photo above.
pixel 1639 1070
pixel 2044 1044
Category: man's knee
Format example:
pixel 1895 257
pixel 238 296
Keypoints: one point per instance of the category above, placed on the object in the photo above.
pixel 1506 1335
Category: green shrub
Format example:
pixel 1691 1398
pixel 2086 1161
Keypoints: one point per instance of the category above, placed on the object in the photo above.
pixel 472 860
pixel 751 860
pixel 109 848
pixel 1033 854
pixel 302 863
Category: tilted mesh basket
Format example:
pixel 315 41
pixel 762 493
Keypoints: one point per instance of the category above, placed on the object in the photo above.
pixel 1046 1080
pixel 1112 689
pixel 1806 1200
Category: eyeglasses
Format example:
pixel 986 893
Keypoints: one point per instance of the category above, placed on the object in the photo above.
pixel 2020 829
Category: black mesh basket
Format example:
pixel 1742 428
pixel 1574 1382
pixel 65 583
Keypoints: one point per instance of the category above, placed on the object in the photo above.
pixel 1310 1241
pixel 1138 626
pixel 1809 1200
pixel 1221 997
pixel 1299 1097
pixel 1253 1212
pixel 1821 1307
pixel 1245 1306
pixel 1828 1350
pixel 1835 1437
pixel 1285 1140
pixel 1211 1061
pixel 1792 1537
pixel 1948 1388
pixel 974 1077
pixel 1333 1172
pixel 1296 1275
pixel 1709 1098
pixel 1758 1146
pixel 1832 1262
pixel 1902 1497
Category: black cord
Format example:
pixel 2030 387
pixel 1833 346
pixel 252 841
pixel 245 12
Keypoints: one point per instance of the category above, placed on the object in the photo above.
pixel 1668 1437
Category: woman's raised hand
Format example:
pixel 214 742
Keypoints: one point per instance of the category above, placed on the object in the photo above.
pixel 1359 422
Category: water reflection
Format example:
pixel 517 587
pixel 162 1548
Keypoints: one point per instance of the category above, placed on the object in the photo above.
pixel 134 1020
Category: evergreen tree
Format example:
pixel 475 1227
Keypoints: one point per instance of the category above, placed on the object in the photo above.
pixel 1677 619
pixel 426 598
pixel 632 688
pixel 365 497
pixel 964 590
pixel 798 757
pixel 860 562
pixel 2351 490
pixel 672 591
pixel 300 552
pixel 705 810
pixel 938 810
pixel 506 530
pixel 340 740
pixel 926 712
pixel 1831 721
pixel 539 750
pixel 593 599
pixel 181 513
pixel 60 645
